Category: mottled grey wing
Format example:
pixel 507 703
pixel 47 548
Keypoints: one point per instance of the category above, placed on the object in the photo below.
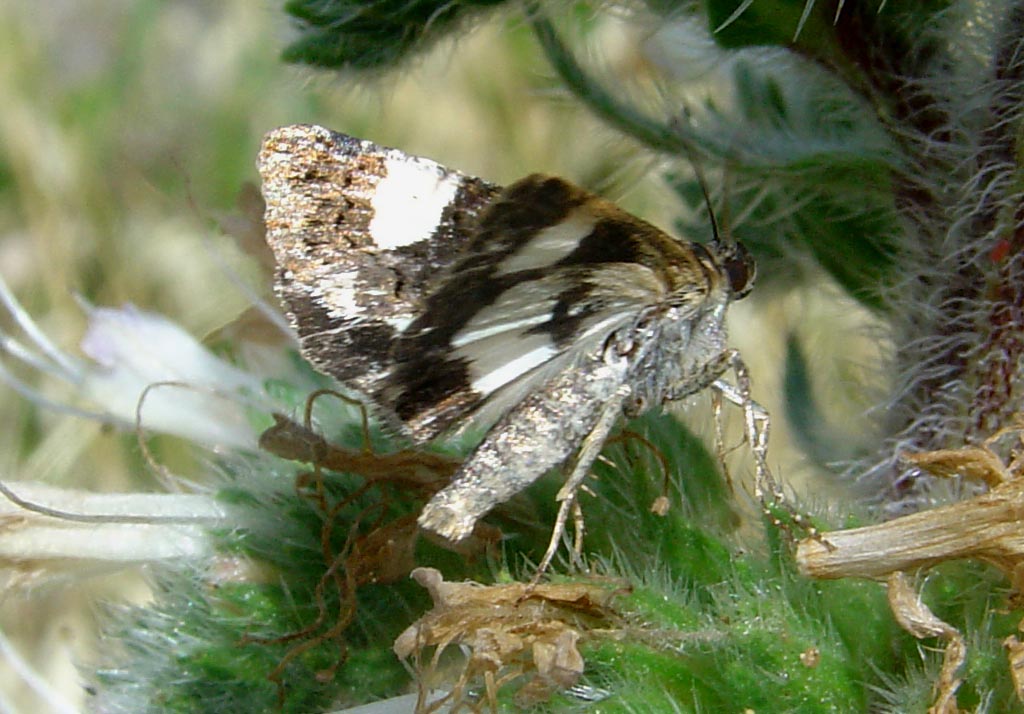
pixel 358 232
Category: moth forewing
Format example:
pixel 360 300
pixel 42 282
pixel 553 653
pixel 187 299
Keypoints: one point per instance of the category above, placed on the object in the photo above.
pixel 354 257
pixel 507 347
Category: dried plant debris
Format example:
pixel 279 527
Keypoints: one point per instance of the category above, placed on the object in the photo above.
pixel 915 617
pixel 985 527
pixel 975 463
pixel 1015 654
pixel 375 546
pixel 512 633
pixel 409 474
pixel 419 470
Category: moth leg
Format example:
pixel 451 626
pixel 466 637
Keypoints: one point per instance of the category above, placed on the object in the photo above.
pixel 720 451
pixel 585 457
pixel 756 422
pixel 579 528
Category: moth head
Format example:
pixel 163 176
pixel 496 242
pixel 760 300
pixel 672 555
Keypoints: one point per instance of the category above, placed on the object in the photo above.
pixel 734 260
pixel 738 266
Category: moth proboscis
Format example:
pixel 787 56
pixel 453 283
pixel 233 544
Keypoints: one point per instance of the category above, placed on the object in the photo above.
pixel 539 310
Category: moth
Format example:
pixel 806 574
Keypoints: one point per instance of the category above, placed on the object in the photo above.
pixel 539 309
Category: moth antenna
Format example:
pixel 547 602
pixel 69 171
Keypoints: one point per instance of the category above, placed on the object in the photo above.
pixel 727 185
pixel 716 236
pixel 691 156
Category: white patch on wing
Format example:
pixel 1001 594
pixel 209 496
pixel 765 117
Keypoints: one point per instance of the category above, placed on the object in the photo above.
pixel 399 322
pixel 551 244
pixel 518 309
pixel 409 200
pixel 489 328
pixel 499 371
pixel 339 292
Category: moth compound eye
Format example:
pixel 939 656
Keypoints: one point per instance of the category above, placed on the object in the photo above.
pixel 741 270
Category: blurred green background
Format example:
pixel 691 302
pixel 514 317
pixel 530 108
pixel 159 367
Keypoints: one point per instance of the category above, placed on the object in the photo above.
pixel 127 130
